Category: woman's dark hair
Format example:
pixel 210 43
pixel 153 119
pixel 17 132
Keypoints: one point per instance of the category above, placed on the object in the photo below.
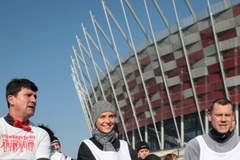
pixel 49 131
pixel 170 156
pixel 115 128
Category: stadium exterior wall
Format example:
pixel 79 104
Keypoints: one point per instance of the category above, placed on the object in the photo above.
pixel 197 65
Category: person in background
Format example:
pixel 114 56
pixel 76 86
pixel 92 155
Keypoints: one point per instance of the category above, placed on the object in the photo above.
pixel 56 153
pixel 170 156
pixel 233 124
pixel 104 144
pixel 143 152
pixel 20 138
pixel 142 149
pixel 221 143
pixel 55 143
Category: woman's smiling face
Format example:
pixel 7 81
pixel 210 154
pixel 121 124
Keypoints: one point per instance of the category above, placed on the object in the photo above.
pixel 105 122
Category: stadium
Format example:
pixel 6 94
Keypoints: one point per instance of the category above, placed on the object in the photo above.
pixel 160 69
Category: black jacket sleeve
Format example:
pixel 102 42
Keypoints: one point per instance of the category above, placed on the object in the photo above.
pixel 84 153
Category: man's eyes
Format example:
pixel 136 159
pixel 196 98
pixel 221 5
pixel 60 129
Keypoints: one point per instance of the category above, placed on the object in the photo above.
pixel 29 95
pixel 226 115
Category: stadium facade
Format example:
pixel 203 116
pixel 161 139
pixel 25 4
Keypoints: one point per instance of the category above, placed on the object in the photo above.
pixel 164 86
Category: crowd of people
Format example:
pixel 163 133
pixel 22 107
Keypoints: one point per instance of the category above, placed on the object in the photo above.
pixel 22 139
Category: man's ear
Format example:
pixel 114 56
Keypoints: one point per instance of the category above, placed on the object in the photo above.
pixel 209 116
pixel 10 99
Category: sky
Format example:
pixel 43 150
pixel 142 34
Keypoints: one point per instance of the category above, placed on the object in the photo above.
pixel 36 39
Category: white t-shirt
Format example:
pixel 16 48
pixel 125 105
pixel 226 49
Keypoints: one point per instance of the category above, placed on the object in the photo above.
pixel 122 154
pixel 15 143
